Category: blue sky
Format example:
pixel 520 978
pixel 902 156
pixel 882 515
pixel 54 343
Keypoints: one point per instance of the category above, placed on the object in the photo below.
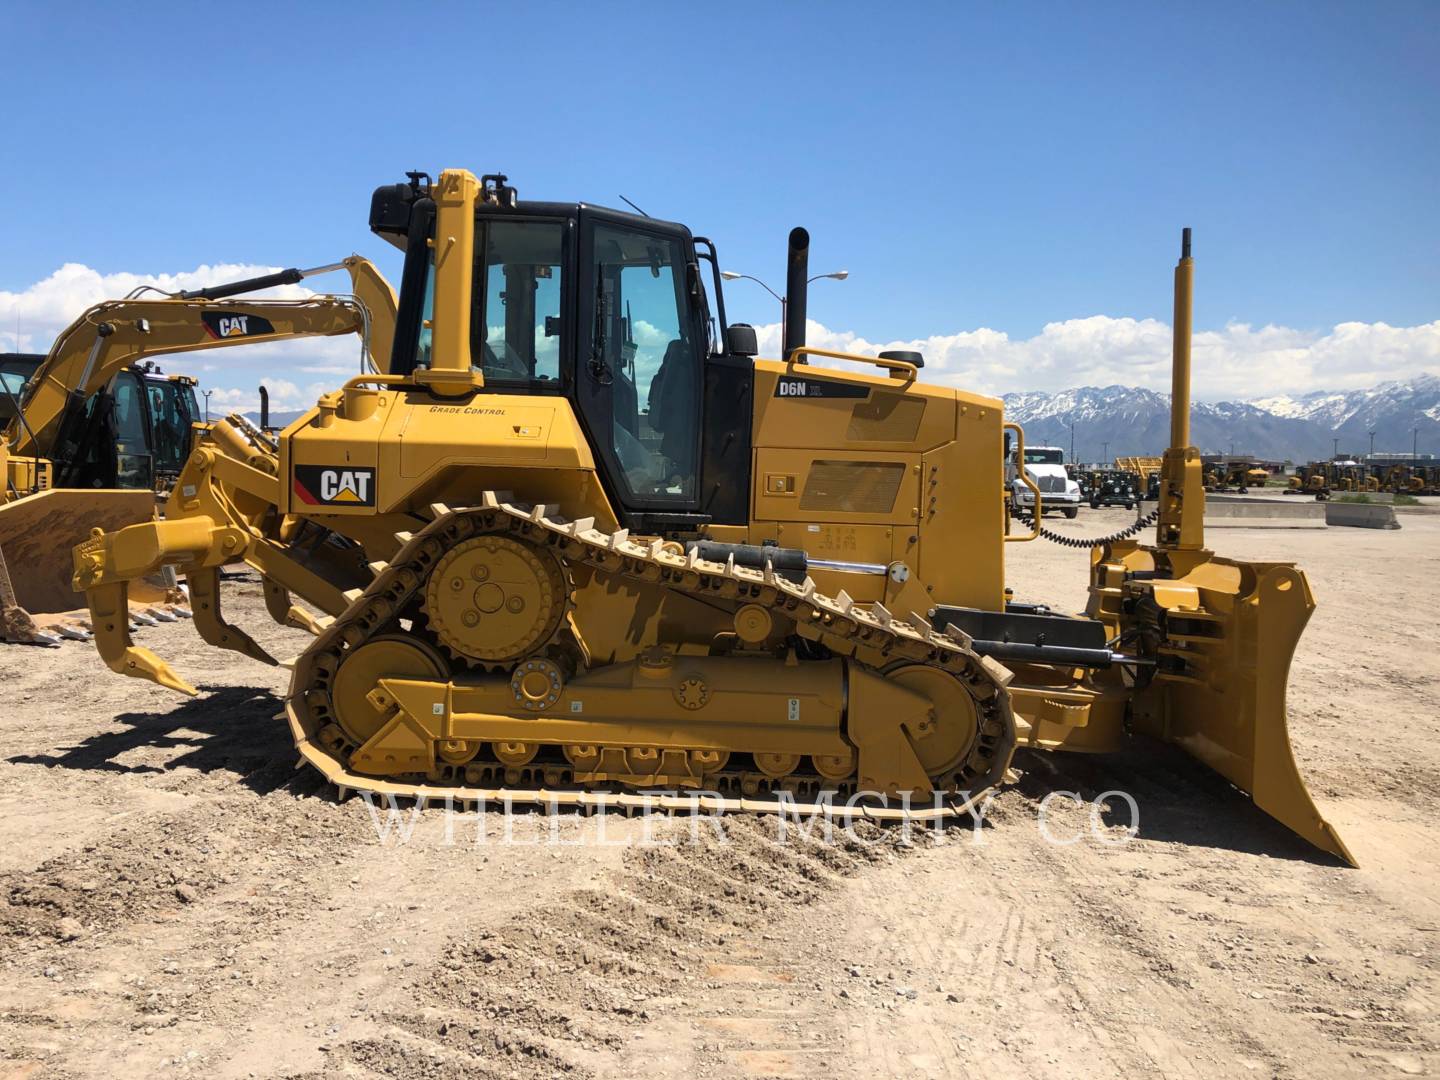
pixel 997 166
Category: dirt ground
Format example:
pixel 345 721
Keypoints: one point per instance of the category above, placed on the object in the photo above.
pixel 175 898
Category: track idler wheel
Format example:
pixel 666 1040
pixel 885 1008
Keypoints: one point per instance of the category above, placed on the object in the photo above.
pixel 776 765
pixel 362 670
pixel 515 754
pixel 955 722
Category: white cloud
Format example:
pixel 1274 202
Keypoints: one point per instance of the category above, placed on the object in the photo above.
pixel 1235 363
pixel 32 318
pixel 1238 361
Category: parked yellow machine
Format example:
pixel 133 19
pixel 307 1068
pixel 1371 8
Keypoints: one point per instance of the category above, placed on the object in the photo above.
pixel 1318 478
pixel 1144 467
pixel 1239 475
pixel 578 545
pixel 1402 479
pixel 95 433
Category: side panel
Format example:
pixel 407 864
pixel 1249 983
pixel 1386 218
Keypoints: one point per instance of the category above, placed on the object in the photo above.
pixel 395 453
pixel 858 467
pixel 962 500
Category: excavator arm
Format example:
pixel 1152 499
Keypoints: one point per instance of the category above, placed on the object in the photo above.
pixel 53 424
pixel 117 333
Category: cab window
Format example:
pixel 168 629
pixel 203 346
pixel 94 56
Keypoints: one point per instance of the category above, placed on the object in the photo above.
pixel 516 327
pixel 132 451
pixel 1044 457
pixel 425 340
pixel 515 321
pixel 170 413
pixel 645 347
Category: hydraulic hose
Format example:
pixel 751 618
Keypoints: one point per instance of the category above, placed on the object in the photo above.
pixel 1088 541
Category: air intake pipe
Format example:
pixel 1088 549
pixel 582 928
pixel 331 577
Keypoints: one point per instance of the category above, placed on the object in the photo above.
pixel 797 275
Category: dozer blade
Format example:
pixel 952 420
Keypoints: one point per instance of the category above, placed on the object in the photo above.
pixel 1230 632
pixel 38 532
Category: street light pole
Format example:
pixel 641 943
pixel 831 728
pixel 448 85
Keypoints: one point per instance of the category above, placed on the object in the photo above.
pixel 1372 444
pixel 1072 442
pixel 1336 441
pixel 735 275
pixel 207 394
pixel 1104 453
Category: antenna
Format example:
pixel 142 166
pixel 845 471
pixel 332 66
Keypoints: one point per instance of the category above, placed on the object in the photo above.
pixel 633 207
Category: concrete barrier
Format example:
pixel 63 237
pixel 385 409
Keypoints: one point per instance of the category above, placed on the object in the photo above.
pixel 1242 513
pixel 1361 515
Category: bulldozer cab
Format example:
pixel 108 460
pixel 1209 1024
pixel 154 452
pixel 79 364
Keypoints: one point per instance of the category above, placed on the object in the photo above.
pixel 611 311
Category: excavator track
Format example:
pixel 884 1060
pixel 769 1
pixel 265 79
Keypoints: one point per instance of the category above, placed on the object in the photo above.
pixel 866 635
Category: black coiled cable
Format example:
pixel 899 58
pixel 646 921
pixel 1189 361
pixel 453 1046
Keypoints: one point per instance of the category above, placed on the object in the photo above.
pixel 1087 541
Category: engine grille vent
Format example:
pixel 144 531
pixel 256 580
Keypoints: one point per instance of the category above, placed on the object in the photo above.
pixel 858 487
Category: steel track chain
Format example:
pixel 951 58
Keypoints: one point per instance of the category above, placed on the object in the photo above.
pixel 868 634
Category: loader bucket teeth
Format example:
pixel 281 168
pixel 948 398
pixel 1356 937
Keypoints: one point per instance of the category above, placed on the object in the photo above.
pixel 38 534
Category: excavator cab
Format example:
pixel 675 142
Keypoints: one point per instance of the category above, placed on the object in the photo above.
pixel 172 413
pixel 134 434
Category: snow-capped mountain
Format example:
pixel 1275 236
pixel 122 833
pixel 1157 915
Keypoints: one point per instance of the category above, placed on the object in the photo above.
pixel 1137 421
pixel 1124 420
pixel 1387 404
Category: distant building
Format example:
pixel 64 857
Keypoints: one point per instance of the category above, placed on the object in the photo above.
pixel 1387 460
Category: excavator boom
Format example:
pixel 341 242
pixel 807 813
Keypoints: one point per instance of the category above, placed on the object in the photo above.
pixel 56 427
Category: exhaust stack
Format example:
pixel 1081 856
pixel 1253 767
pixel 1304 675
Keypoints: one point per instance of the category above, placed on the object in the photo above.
pixel 1182 487
pixel 1180 355
pixel 797 275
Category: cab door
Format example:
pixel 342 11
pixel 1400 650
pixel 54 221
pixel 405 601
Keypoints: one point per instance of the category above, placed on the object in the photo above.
pixel 640 367
pixel 134 463
pixel 171 415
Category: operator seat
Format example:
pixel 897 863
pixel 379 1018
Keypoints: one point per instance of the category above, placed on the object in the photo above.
pixel 672 405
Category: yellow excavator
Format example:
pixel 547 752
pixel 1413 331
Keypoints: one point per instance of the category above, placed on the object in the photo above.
pixel 92 431
pixel 578 546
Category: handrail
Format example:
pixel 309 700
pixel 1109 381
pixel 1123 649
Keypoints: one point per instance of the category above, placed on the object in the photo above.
pixel 909 370
pixel 377 377
pixel 1010 425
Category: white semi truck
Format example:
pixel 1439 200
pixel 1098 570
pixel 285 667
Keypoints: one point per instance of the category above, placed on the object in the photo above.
pixel 1046 467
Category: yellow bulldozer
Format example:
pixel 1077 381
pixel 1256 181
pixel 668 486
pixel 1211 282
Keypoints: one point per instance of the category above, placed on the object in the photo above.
pixel 91 432
pixel 579 546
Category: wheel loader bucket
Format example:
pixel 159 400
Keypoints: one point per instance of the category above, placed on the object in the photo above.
pixel 1228 633
pixel 38 533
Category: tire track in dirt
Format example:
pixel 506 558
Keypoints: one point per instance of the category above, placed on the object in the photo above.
pixel 639 971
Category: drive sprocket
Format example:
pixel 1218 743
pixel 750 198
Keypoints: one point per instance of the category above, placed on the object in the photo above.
pixel 495 599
